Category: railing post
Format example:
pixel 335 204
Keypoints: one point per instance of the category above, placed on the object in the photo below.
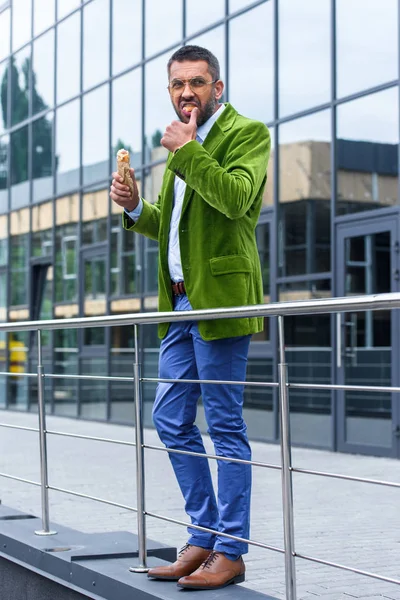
pixel 140 485
pixel 287 484
pixel 43 443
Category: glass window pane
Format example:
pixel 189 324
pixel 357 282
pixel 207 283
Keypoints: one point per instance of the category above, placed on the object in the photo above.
pixel 122 357
pixel 309 356
pixel 19 256
pixel 20 68
pixel 305 193
pixel 19 168
pixel 94 217
pixel 367 152
pixel 153 182
pixel 304 54
pixel 127 34
pixel 44 15
pixel 3 240
pixel 65 363
pixel 5 33
pixel 159 110
pixel 3 95
pixel 214 41
pixel 66 287
pixel 68 58
pixel 258 408
pixel 93 394
pixel 151 266
pixel 235 5
pixel 362 28
pixel 4 154
pixel 95 139
pixel 67 147
pixel 43 73
pixel 42 233
pixel 21 27
pixel 66 6
pixel 127 116
pixel 201 14
pixel 96 42
pixel 163 24
pixel 42 158
pixel 251 63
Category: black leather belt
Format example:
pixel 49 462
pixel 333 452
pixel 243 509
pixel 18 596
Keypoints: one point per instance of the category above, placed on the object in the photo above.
pixel 178 288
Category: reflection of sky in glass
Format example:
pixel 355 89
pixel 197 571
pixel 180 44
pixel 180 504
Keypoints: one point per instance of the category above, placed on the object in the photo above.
pixel 68 58
pixel 95 137
pixel 374 118
pixel 366 44
pixel 44 15
pixel 251 69
pixel 21 27
pixel 201 14
pixel 159 111
pixel 238 4
pixel 65 6
pixel 5 33
pixel 96 29
pixel 316 127
pixel 127 114
pixel 214 41
pixel 67 137
pixel 304 54
pixel 163 24
pixel 127 34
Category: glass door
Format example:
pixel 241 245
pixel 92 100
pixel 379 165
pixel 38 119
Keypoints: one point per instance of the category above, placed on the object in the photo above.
pixel 367 343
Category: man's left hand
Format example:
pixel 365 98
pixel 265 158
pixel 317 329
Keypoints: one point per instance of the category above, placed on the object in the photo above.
pixel 177 134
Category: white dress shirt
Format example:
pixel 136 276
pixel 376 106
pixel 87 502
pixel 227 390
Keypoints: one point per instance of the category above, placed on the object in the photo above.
pixel 174 254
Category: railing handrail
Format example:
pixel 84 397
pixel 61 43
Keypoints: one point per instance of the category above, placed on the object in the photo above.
pixel 280 310
pixel 275 309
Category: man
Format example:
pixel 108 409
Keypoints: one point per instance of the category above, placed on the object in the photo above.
pixel 204 221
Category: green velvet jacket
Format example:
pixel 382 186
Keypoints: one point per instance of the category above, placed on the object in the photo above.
pixel 225 180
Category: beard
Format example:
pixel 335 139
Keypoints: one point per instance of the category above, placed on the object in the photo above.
pixel 205 112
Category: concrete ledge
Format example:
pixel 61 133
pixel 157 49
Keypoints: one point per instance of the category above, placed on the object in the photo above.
pixel 72 565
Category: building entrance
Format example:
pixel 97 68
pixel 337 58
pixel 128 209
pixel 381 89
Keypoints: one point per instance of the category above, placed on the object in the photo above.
pixel 368 342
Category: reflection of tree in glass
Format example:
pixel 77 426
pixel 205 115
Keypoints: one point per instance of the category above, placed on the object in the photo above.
pixel 119 145
pixel 156 138
pixel 42 129
pixel 3 98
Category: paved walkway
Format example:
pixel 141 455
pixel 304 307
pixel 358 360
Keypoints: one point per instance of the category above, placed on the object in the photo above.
pixel 351 523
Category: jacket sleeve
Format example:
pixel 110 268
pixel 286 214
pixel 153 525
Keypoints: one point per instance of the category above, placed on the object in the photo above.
pixel 149 221
pixel 230 189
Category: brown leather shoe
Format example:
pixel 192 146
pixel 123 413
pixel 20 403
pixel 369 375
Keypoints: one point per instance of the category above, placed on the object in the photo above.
pixel 189 559
pixel 215 572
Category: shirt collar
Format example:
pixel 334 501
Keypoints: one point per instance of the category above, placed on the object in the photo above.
pixel 204 129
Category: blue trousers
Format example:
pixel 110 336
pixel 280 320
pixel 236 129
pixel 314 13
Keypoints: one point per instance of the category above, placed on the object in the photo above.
pixel 185 355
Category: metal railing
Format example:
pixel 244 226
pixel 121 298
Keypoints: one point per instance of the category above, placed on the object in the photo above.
pixel 280 310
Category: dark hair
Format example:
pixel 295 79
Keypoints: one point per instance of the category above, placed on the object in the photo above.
pixel 196 53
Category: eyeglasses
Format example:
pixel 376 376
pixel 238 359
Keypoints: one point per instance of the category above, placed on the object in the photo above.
pixel 196 84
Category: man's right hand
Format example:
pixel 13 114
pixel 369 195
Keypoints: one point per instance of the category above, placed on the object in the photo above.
pixel 121 194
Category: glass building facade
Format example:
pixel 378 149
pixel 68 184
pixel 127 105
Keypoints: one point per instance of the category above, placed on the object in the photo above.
pixel 79 80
